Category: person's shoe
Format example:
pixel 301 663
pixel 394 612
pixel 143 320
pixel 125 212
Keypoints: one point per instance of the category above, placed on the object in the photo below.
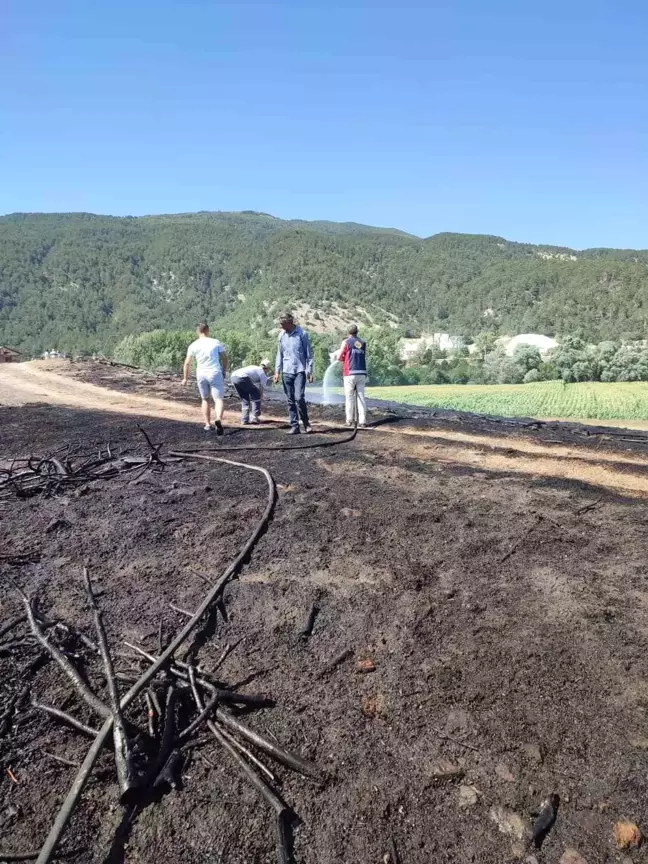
pixel 254 421
pixel 349 425
pixel 245 422
pixel 294 430
pixel 207 428
pixel 362 425
pixel 308 429
pixel 219 427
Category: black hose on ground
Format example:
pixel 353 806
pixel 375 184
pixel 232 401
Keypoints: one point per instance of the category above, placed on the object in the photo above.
pixel 69 805
pixel 310 446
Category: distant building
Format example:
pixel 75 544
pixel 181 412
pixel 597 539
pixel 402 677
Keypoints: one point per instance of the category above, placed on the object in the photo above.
pixel 544 344
pixel 446 342
pixel 410 348
pixel 9 355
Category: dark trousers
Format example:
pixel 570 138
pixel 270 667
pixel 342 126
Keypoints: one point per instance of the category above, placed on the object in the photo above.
pixel 250 396
pixel 294 387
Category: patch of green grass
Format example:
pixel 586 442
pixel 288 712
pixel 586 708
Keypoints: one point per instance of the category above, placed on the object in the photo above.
pixel 587 400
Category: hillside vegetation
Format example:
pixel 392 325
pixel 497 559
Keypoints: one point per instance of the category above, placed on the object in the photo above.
pixel 586 400
pixel 79 282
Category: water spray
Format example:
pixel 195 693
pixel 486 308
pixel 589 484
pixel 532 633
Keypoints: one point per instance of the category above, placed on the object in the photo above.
pixel 328 382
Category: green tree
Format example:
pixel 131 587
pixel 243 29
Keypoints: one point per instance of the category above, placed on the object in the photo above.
pixel 499 368
pixel 484 343
pixel 384 363
pixel 460 372
pixel 527 357
pixel 629 363
pixel 573 360
pixel 158 350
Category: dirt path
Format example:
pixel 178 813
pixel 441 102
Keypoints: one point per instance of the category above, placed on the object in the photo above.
pixel 42 382
pixel 25 383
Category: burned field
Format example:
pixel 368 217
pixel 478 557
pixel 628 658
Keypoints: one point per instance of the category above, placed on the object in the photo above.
pixel 445 644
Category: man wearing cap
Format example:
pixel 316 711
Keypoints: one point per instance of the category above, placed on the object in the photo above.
pixel 250 382
pixel 295 364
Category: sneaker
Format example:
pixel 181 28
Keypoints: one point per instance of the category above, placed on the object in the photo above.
pixel 245 422
pixel 207 428
pixel 219 427
pixel 308 429
pixel 362 425
pixel 294 430
pixel 254 421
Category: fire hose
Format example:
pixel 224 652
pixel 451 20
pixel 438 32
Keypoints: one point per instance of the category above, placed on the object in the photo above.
pixel 67 809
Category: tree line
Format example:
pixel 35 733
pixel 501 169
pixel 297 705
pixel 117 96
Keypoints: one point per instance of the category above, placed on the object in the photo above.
pixel 488 363
pixel 165 350
pixel 81 283
pixel 573 360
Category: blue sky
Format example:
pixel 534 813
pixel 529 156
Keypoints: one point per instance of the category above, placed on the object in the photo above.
pixel 522 118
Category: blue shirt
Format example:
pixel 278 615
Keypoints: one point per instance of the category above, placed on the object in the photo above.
pixel 294 353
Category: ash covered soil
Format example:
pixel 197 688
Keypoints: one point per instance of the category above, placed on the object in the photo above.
pixel 507 624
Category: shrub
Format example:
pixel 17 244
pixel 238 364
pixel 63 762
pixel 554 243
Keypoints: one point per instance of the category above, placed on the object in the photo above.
pixel 413 375
pixel 159 349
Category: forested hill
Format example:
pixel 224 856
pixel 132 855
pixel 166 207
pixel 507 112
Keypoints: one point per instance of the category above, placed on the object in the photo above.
pixel 79 282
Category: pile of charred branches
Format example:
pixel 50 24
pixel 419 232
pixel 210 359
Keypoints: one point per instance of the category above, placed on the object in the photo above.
pixel 56 473
pixel 154 735
pixel 151 702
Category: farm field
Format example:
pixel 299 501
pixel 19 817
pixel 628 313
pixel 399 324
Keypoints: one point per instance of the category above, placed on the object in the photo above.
pixel 586 400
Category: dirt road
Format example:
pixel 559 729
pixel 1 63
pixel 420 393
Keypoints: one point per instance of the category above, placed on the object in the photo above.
pixel 43 383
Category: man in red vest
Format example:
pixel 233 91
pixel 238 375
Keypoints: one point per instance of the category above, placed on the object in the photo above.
pixel 353 356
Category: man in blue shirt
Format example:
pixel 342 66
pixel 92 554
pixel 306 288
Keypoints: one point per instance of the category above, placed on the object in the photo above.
pixel 295 363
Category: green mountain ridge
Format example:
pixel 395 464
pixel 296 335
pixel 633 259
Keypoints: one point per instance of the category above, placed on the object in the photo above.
pixel 81 281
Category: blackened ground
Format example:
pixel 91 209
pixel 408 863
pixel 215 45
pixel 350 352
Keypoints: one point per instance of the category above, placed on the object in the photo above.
pixel 406 557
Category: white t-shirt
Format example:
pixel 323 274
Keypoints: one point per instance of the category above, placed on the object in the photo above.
pixel 207 352
pixel 254 373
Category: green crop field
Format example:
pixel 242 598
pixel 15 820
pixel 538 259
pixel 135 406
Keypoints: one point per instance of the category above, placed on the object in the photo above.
pixel 587 400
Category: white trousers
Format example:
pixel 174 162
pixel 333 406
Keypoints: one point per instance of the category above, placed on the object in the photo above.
pixel 355 384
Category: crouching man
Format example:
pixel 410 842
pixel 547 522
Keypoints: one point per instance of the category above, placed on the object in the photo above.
pixel 250 383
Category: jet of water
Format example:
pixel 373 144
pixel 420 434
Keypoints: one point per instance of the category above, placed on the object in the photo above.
pixel 330 376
